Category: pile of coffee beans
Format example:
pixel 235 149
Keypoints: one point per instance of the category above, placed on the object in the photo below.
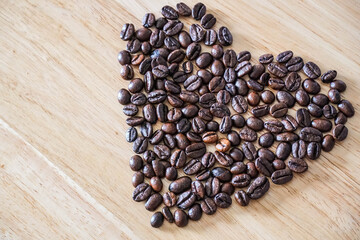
pixel 262 120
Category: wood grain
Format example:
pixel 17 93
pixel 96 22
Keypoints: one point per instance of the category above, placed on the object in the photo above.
pixel 63 157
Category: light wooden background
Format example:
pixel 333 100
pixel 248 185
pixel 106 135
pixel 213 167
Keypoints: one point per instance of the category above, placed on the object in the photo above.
pixel 64 170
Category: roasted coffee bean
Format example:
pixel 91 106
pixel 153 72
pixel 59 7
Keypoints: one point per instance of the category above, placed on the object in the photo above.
pixel 236 154
pixel 255 124
pixel 148 171
pixel 346 108
pixel 203 175
pixel 190 111
pixel 297 165
pixel 217 68
pixel 251 170
pixel 198 125
pixel 157 137
pixel 157 220
pixel 289 123
pixel 217 51
pixel 238 120
pixel 292 82
pixel 243 68
pixel 169 141
pixel 159 168
pixel 278 164
pixel 156 184
pixel 276 83
pixel 192 167
pixel 283 150
pixel 180 185
pixel 171 173
pixel 149 113
pixel 180 218
pixel 267 97
pixel 340 132
pixel 146 49
pixel 278 110
pixel 143 34
pixel 284 56
pixel 315 110
pixel 258 187
pixel 169 199
pixel 186 200
pixel 238 168
pixel 212 186
pixel 133 46
pixel 223 159
pixel 282 176
pixel 131 134
pixel 243 56
pixel 171 43
pixel 313 150
pixel 299 149
pixel 274 126
pixel 148 20
pixel 285 97
pixel 224 36
pixel 340 118
pixel 329 76
pixel 323 125
pixel 264 79
pixel 225 124
pixel 239 104
pixel 277 70
pixel 223 174
pixel 223 97
pixel 176 56
pixel 170 128
pixel 189 97
pixel 160 52
pixel 210 137
pixel 167 214
pixel 149 81
pixel 338 85
pixel 208 206
pixel 203 60
pixel 172 28
pixel 234 138
pixel 196 32
pixel 241 87
pixel 329 111
pixel 311 70
pixel 140 145
pixel 124 96
pixel 126 72
pixel 249 151
pixel 208 21
pixel 184 39
pixel 222 200
pixel 198 11
pixel 198 189
pixel 153 202
pixel 141 192
pixel 334 96
pixel 287 137
pixel 266 140
pixel 127 31
pixel 219 110
pixel 137 179
pixel 328 143
pixel 195 212
pixel 181 141
pixel 302 97
pixel 266 58
pixel 193 51
pixel 253 98
pixel 174 115
pixel 136 85
pixel 216 84
pixel 247 134
pixel 193 137
pixel 160 71
pixel 146 129
pixel 242 198
pixel 210 37
pixel 309 134
pixel 303 117
pixel 254 85
pixel 229 58
pixel 203 89
pixel 124 57
pixel 178 158
pixel 195 150
pixel 257 71
pixel 149 156
pixel 264 166
pixel 169 12
pixel 266 154
pixel 260 110
pixel 183 9
pixel 294 64
pixel 311 86
pixel 227 188
pixel 212 126
pixel 136 163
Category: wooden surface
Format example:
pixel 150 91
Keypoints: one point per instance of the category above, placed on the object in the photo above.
pixel 64 170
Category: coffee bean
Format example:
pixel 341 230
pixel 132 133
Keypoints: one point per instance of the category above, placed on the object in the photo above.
pixel 140 145
pixel 203 175
pixel 266 140
pixel 198 11
pixel 323 125
pixel 285 97
pixel 311 86
pixel 247 134
pixel 137 179
pixel 219 110
pixel 184 39
pixel 297 165
pixel 267 97
pixel 146 129
pixel 242 198
pixel 266 154
pixel 195 212
pixel 183 9
pixel 249 151
pixel 299 149
pixel 311 70
pixel 169 141
pixel 209 137
pixel 180 185
pixel 172 28
pixel 148 20
pixel 278 110
pixel 289 123
pixel 156 96
pixel 278 164
pixel 216 84
pixel 243 68
pixel 203 60
pixel 141 192
pixel 292 81
pixel 127 31
pixel 264 79
pixel 186 200
pixel 227 188
pixel 198 125
pixel 178 158
pixel 236 154
pixel 243 56
pixel 276 83
pixel 315 110
pixel 156 184
pixel 238 168
pixel 156 220
pixel 208 206
pixel 340 118
pixel 208 21
pixel 126 72
pixel 195 150
pixel 192 167
pixel 193 137
pixel 313 150
pixel 239 104
pixel 223 174
pixel 346 108
pixel 274 126
pixel 169 12
pixel 303 117
pixel 167 214
pixel 136 85
pixel 254 85
pixel 251 170
pixel 255 124
pixel 328 143
pixel 143 34
pixel 258 187
pixel 229 58
pixel 334 96
pixel 253 98
pixel 277 70
pixel 197 33
pixel 225 124
pixel 133 46
pixel 340 132
pixel 338 85
pixel 190 111
pixel 302 98
pixel 157 137
pixel 287 137
pixel 149 156
pixel 329 76
pixel 309 134
pixel 153 202
pixel 198 189
pixel 169 199
pixel 284 56
pixel 241 87
pixel 212 186
pixel 224 36
pixel 180 218
pixel 283 150
pixel 148 171
pixel 294 64
pixel 146 49
pixel 266 58
pixel 222 200
pixel 264 166
pixel 124 57
pixel 131 134
pixel 281 176
pixel 329 111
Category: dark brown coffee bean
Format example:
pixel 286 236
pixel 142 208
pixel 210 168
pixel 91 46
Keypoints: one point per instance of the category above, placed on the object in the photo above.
pixel 195 212
pixel 223 174
pixel 217 51
pixel 297 165
pixel 204 60
pixel 230 87
pixel 133 46
pixel 329 76
pixel 255 124
pixel 198 11
pixel 190 111
pixel 148 171
pixel 241 87
pixel 229 58
pixel 239 104
pixel 124 57
pixel 210 38
pixel 195 150
pixel 219 110
pixel 157 96
pixel 180 218
pixel 267 97
pixel 141 192
pixel 276 83
pixel 148 20
pixel 238 120
pixel 212 186
pixel 253 98
pixel 274 126
pixel 227 188
pixel 302 97
pixel 287 137
pixel 278 164
pixel 131 134
pixel 183 9
pixel 284 56
pixel 169 141
pixel 198 189
pixel 208 206
pixel 149 81
pixel 127 31
pixel 171 43
pixel 169 199
pixel 247 134
pixel 157 38
pixel 254 85
pixel 311 86
pixel 168 214
pixel 124 96
pixel 193 51
pixel 340 118
pixel 208 21
pixel 346 108
pixel 303 117
pixel 180 185
pixel 162 151
pixel 146 49
pixel 193 137
pixel 309 134
pixel 264 79
pixel 294 64
pixel 174 115
pixel 323 125
pixel 196 32
pixel 198 125
pixel 178 158
pixel 236 154
pixel 338 85
pixel 340 132
pixel 277 70
pixel 171 173
pixel 299 149
pixel 266 140
pixel 282 176
pixel 251 170
pixel 216 84
pixel 149 113
pixel 289 123
pixel 176 56
pixel 222 200
pixel 234 138
pixel 315 110
pixel 140 145
pixel 169 12
pixel 149 156
pixel 225 124
pixel 283 150
pixel 249 151
pixel 243 68
pixel 242 198
pixel 292 82
pixel 137 179
pixel 258 187
pixel 159 168
pixel 143 34
pixel 257 71
pixel 266 58
pixel 334 96
pixel 264 166
pixel 153 202
pixel 313 150
pixel 136 163
pixel 192 167
pixel 156 220
pixel 285 97
pixel 203 175
pixel 156 184
pixel 186 200
pixel 278 110
pixel 238 168
pixel 223 158
pixel 172 28
pixel 126 72
pixel 207 100
pixel 136 85
pixel 266 154
pixel 312 70
pixel 146 129
pixel 329 111
pixel 224 36
pixel 328 143
pixel 157 137
pixel 184 39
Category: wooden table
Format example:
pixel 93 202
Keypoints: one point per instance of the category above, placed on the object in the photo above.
pixel 64 170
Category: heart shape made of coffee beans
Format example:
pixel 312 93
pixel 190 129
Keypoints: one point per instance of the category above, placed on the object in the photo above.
pixel 202 123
